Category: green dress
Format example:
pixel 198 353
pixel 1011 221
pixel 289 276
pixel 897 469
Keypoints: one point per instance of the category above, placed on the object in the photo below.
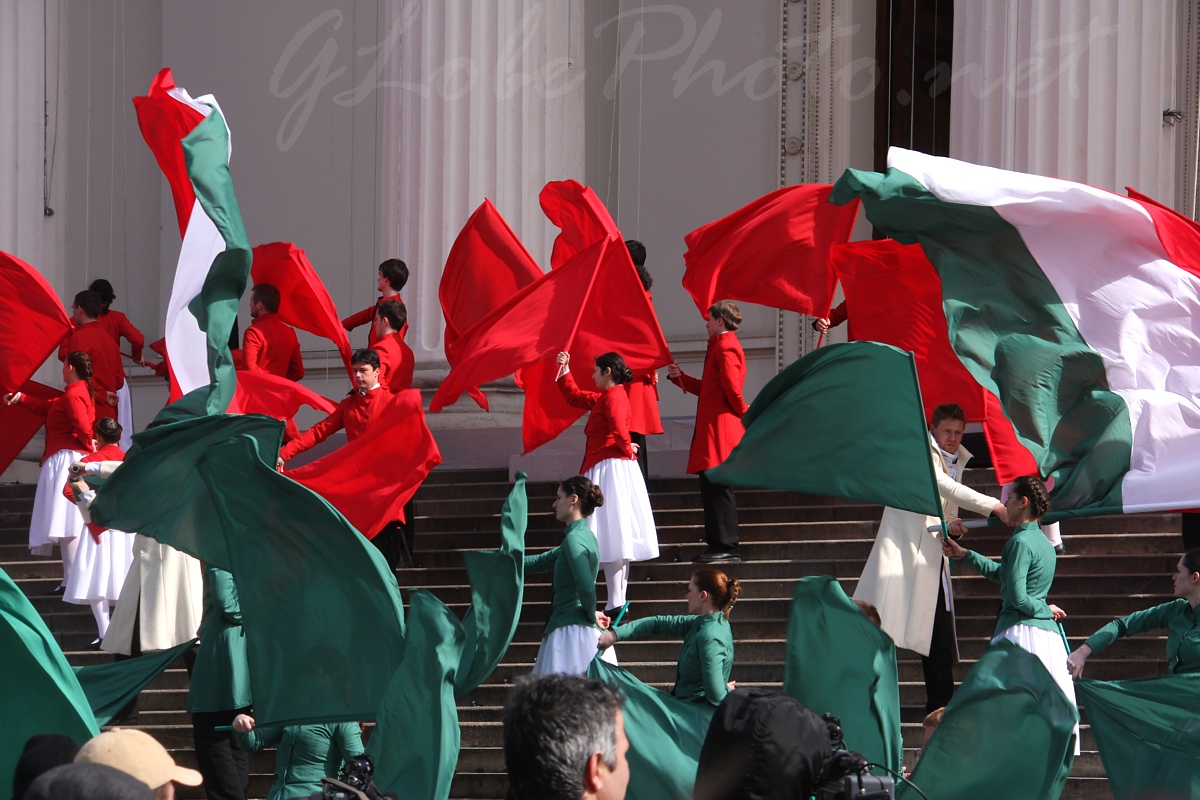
pixel 706 659
pixel 1183 638
pixel 221 675
pixel 575 563
pixel 1025 573
pixel 304 754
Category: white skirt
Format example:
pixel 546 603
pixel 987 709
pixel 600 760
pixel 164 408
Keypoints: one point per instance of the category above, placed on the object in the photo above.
pixel 1051 650
pixel 54 516
pixel 125 416
pixel 100 568
pixel 624 525
pixel 569 650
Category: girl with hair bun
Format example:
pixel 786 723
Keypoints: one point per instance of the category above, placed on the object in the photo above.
pixel 625 526
pixel 69 420
pixel 707 655
pixel 569 640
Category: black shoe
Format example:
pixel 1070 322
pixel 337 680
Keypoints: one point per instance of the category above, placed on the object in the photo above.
pixel 94 645
pixel 711 557
pixel 57 590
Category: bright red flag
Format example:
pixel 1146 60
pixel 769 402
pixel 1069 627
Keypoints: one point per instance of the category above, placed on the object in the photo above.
pixel 1180 235
pixel 20 424
pixel 487 265
pixel 578 213
pixel 32 322
pixel 894 296
pixel 774 252
pixel 304 302
pixel 166 115
pixel 275 396
pixel 371 478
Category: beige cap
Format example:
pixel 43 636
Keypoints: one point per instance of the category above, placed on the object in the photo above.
pixel 138 754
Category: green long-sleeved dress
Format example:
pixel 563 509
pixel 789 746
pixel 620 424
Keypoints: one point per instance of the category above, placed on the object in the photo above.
pixel 1025 573
pixel 221 675
pixel 1183 637
pixel 575 563
pixel 304 754
pixel 706 659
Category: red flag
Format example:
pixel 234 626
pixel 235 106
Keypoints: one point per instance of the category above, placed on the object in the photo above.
pixel 274 396
pixel 774 252
pixel 1179 235
pixel 20 424
pixel 166 115
pixel 487 265
pixel 578 213
pixel 304 302
pixel 371 478
pixel 32 322
pixel 894 296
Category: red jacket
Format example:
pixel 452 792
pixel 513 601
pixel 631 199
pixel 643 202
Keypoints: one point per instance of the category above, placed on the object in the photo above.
pixel 108 374
pixel 643 403
pixel 69 419
pixel 357 412
pixel 396 362
pixel 117 325
pixel 270 345
pixel 367 316
pixel 607 428
pixel 721 406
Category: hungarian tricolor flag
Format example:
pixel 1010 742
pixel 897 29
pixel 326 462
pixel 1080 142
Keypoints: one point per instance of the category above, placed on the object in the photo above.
pixel 1076 307
pixel 190 140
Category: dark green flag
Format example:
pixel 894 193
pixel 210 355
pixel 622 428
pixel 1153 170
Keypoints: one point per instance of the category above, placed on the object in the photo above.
pixel 110 687
pixel 39 692
pixel 665 736
pixel 845 420
pixel 1007 733
pixel 1148 734
pixel 839 662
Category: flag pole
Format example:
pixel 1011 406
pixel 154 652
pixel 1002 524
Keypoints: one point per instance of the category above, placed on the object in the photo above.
pixel 937 498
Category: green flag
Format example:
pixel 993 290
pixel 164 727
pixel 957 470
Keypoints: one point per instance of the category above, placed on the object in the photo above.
pixel 39 693
pixel 1147 734
pixel 845 420
pixel 110 687
pixel 1008 732
pixel 855 678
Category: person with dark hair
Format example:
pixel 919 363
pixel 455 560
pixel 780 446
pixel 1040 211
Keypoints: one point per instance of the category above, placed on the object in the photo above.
pixel 393 275
pixel 644 418
pixel 304 754
pixel 564 739
pixel 118 326
pixel 1178 617
pixel 569 638
pixel 42 753
pixel 906 577
pixel 103 556
pixel 719 428
pixel 707 655
pixel 395 357
pixel 69 421
pixel 86 782
pixel 108 374
pixel 625 525
pixel 270 344
pixel 356 413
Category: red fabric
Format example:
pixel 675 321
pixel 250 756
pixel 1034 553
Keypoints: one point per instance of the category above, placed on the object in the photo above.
pixel 270 345
pixel 304 302
pixel 108 374
pixel 644 417
pixel 372 477
pixel 70 418
pixel 721 405
pixel 396 362
pixel 578 213
pixel 774 252
pixel 21 424
pixel 894 296
pixel 607 428
pixel 356 413
pixel 164 122
pixel 118 326
pixel 264 393
pixel 109 452
pixel 487 265
pixel 1180 235
pixel 32 322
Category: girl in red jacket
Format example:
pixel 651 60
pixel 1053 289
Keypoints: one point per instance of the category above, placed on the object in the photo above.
pixel 624 526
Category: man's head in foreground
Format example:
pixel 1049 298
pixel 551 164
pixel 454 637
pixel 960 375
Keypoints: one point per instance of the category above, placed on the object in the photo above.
pixel 138 754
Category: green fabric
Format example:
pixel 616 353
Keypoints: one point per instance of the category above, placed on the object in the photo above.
pixel 838 662
pixel 665 736
pixel 314 593
pixel 1183 637
pixel 221 675
pixel 706 658
pixel 575 564
pixel 1007 733
pixel 1147 735
pixel 110 687
pixel 1010 329
pixel 206 151
pixel 815 428
pixel 304 754
pixel 39 693
pixel 1025 573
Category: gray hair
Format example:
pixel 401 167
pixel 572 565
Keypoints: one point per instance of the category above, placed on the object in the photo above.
pixel 552 726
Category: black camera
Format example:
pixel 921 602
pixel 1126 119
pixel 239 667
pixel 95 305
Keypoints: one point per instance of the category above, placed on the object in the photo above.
pixel 353 783
pixel 848 775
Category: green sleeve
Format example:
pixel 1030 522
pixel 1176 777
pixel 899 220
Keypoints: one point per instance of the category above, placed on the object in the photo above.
pixel 224 591
pixel 262 737
pixel 1017 560
pixel 347 737
pixel 581 572
pixel 542 562
pixel 983 565
pixel 664 626
pixel 712 669
pixel 1149 619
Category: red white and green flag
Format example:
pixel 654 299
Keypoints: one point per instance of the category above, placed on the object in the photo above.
pixel 190 140
pixel 1076 307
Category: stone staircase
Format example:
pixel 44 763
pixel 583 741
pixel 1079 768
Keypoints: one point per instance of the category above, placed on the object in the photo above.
pixel 1114 565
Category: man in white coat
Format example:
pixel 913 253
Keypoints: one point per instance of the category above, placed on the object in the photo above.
pixel 906 576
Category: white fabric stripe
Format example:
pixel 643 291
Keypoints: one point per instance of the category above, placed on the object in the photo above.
pixel 205 104
pixel 187 345
pixel 1131 304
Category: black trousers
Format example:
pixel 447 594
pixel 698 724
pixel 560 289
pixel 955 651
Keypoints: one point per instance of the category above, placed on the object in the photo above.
pixel 224 765
pixel 643 455
pixel 938 666
pixel 720 516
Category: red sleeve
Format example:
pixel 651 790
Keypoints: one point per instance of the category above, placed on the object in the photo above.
pixel 574 395
pixel 363 317
pixel 838 315
pixel 295 370
pixel 134 337
pixel 732 377
pixel 316 434
pixel 687 383
pixel 35 404
pixel 252 344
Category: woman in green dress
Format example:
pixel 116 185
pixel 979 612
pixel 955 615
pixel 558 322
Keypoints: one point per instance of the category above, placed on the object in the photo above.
pixel 707 655
pixel 304 754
